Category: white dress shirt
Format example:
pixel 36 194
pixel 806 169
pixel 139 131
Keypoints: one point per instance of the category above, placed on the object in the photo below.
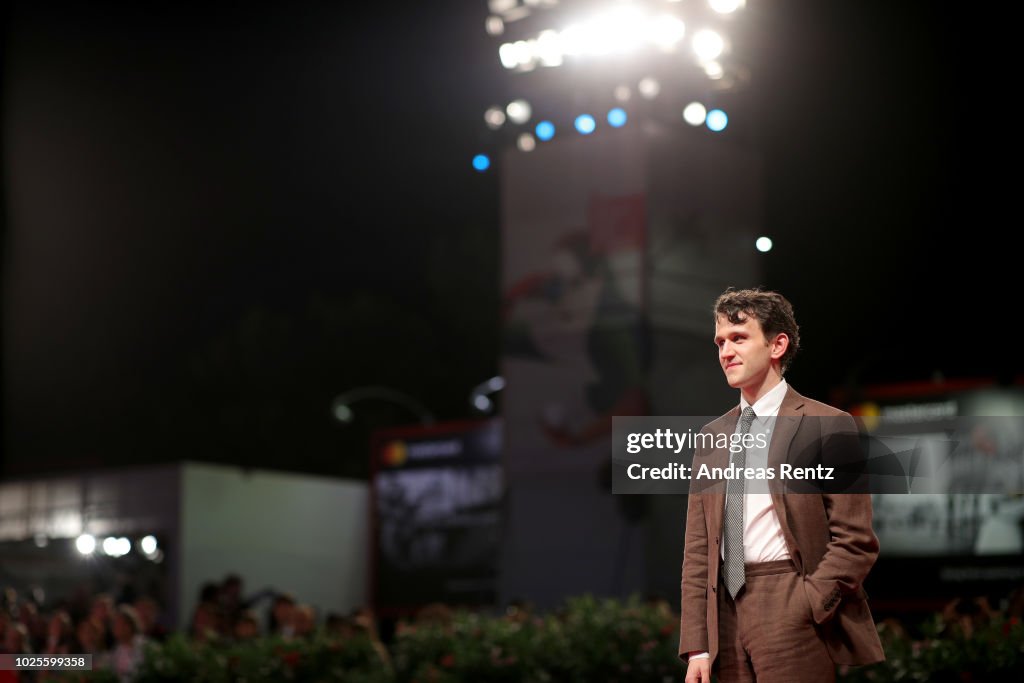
pixel 762 532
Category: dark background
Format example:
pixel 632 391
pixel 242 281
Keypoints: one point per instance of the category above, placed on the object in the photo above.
pixel 216 219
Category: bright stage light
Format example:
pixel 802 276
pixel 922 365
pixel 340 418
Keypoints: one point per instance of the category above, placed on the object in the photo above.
pixel 763 244
pixel 713 70
pixel 116 547
pixel 623 29
pixel 585 124
pixel 507 55
pixel 519 111
pixel 644 36
pixel 717 120
pixel 695 113
pixel 481 162
pixel 726 6
pixel 571 40
pixel 707 44
pixel 619 30
pixel 547 49
pixel 494 26
pixel 522 53
pixel 494 118
pixel 85 544
pixel 617 117
pixel 148 545
pixel 666 31
pixel 649 88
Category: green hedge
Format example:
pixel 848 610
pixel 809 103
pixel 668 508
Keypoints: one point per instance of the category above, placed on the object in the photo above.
pixel 589 639
pixel 992 651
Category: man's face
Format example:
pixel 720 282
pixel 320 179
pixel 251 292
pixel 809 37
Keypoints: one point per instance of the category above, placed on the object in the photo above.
pixel 743 351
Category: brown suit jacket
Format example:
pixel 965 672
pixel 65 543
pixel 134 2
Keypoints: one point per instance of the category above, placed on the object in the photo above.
pixel 829 537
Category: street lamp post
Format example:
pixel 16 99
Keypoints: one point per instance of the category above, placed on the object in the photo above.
pixel 341 406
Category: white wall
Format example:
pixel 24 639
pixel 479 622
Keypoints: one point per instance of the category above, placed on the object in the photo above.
pixel 298 533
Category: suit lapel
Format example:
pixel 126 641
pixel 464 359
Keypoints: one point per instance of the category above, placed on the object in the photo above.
pixel 714 506
pixel 790 414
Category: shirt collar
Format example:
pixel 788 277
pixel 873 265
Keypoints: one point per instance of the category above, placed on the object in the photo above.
pixel 769 404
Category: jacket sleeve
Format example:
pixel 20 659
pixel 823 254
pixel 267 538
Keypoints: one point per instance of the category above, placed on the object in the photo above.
pixel 853 546
pixel 693 626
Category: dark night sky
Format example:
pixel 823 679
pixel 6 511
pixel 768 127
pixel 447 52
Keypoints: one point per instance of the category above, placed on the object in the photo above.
pixel 218 219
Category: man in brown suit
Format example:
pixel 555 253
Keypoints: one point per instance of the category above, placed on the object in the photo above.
pixel 772 583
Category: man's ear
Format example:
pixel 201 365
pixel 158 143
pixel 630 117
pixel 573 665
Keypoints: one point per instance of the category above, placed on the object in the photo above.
pixel 779 345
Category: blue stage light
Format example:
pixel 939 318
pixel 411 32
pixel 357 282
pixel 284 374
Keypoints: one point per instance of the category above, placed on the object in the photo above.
pixel 617 117
pixel 717 120
pixel 585 124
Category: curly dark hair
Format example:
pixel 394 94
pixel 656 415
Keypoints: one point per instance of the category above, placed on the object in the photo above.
pixel 770 309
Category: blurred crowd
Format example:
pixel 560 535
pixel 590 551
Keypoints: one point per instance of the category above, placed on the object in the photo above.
pixel 115 632
pixel 224 612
